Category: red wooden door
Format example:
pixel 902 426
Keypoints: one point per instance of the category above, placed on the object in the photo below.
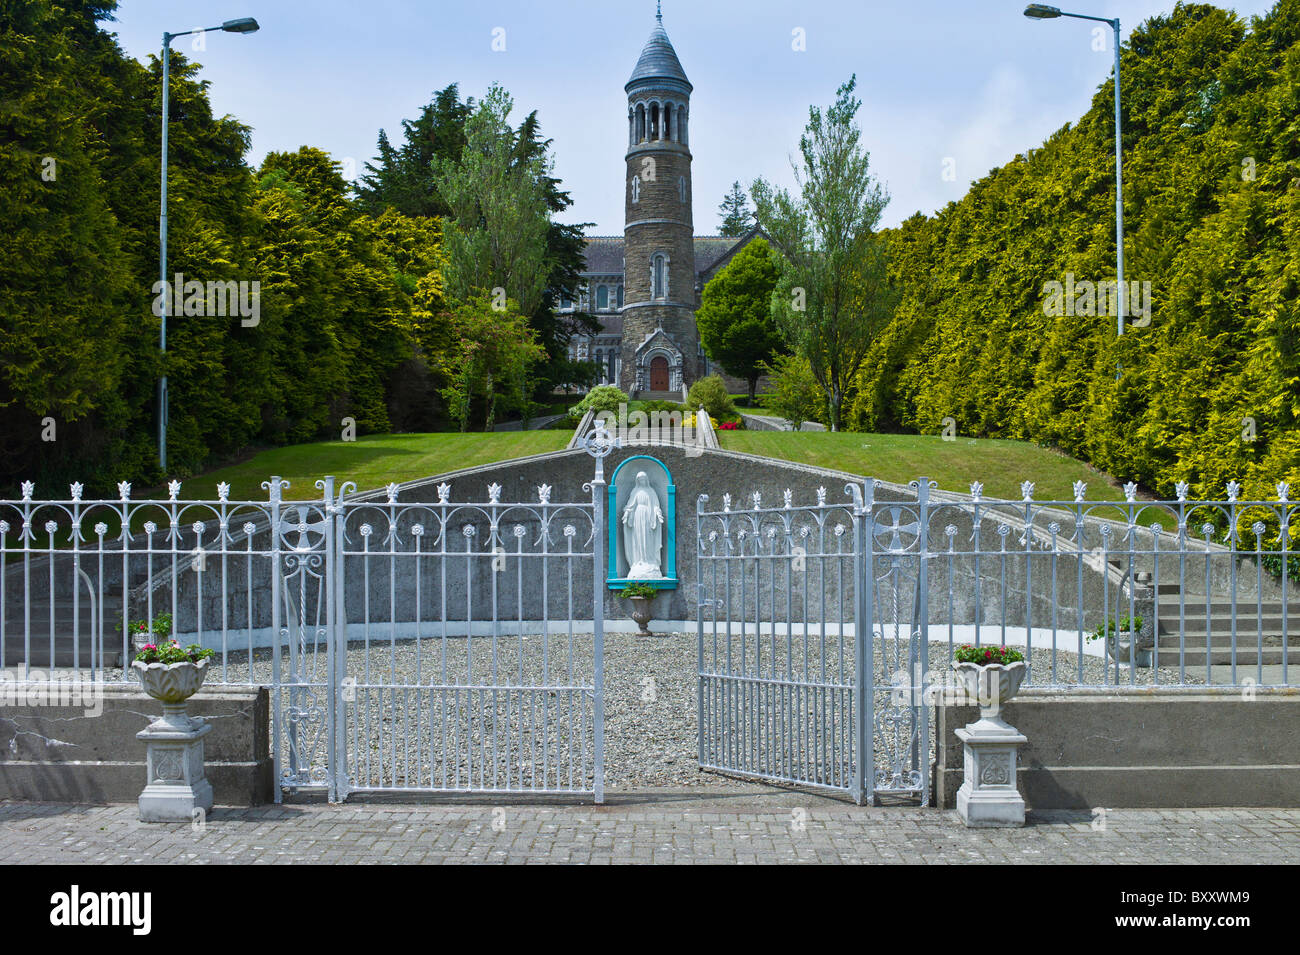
pixel 659 374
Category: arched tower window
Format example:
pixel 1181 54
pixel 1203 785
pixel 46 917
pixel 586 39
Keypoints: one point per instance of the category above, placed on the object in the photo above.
pixel 654 121
pixel 640 123
pixel 631 126
pixel 668 122
pixel 659 275
pixel 683 126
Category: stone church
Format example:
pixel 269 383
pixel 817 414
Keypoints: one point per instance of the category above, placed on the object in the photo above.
pixel 644 286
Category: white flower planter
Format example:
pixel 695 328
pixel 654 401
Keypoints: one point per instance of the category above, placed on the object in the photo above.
pixel 988 797
pixel 1128 650
pixel 176 789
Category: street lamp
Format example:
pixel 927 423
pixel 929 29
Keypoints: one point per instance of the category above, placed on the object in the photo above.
pixel 242 25
pixel 1041 11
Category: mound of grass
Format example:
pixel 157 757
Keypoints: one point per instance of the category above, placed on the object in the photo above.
pixel 371 462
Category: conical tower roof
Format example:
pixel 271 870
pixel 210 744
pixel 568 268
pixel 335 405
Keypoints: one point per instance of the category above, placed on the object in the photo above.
pixel 658 60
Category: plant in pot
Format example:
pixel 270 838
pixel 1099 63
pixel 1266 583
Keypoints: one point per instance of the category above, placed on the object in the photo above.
pixel 172 674
pixel 641 595
pixel 144 632
pixel 989 795
pixel 1126 640
pixel 990 675
pixel 176 786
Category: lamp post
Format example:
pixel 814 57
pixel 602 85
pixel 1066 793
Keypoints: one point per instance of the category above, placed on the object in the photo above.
pixel 242 25
pixel 1040 11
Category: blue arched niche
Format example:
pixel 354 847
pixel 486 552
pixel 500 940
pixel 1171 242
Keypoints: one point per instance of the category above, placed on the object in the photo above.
pixel 617 578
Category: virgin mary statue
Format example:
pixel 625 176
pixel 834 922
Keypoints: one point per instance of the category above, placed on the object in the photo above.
pixel 643 531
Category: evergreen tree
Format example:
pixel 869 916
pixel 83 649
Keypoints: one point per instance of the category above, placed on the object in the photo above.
pixel 735 212
pixel 735 314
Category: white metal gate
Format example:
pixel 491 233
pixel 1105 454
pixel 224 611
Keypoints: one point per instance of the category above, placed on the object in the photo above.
pixel 794 646
pixel 437 646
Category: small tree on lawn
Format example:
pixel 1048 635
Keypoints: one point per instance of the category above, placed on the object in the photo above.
pixel 735 314
pixel 834 296
pixel 489 360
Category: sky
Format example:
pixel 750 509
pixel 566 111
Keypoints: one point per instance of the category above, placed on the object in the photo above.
pixel 950 89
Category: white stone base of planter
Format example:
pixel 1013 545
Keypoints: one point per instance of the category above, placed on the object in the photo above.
pixel 988 797
pixel 176 786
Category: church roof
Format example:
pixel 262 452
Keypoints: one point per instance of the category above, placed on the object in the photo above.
pixel 604 255
pixel 658 61
pixel 605 252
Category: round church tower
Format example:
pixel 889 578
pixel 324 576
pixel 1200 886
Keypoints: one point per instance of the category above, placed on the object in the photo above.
pixel 661 349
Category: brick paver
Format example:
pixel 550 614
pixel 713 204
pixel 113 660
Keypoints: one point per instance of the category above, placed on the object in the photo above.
pixel 654 827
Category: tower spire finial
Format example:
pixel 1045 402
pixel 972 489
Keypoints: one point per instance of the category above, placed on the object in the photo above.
pixel 659 10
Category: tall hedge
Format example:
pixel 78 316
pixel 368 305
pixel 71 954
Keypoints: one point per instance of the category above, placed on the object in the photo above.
pixel 1209 390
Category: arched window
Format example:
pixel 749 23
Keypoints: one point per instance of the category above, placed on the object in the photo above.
pixel 683 126
pixel 640 123
pixel 659 275
pixel 631 126
pixel 602 298
pixel 654 121
pixel 668 122
pixel 620 296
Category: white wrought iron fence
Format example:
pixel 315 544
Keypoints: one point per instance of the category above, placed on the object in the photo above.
pixel 813 614
pixel 446 646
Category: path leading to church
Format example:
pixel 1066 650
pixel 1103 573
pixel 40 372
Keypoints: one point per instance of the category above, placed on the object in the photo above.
pixel 753 826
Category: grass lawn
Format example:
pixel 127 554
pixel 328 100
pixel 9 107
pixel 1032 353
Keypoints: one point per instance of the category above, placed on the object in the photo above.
pixel 900 458
pixel 371 462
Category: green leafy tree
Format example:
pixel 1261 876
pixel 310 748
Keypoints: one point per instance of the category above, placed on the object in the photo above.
pixel 735 314
pixel 795 395
pixel 737 218
pixel 834 296
pixel 489 363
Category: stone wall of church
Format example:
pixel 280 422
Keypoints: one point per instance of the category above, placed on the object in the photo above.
pixel 659 220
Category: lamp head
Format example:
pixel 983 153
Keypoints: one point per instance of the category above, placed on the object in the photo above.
pixel 1041 11
pixel 242 25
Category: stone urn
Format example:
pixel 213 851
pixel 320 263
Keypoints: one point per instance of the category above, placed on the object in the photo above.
pixel 176 788
pixel 989 796
pixel 642 614
pixel 1131 648
pixel 991 684
pixel 171 683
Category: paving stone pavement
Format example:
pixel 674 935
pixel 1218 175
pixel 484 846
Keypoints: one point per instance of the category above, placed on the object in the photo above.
pixel 657 827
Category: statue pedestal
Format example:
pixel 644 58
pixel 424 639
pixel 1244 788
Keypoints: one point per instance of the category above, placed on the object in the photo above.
pixel 988 797
pixel 176 785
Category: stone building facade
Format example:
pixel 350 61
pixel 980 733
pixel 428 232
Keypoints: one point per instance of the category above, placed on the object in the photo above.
pixel 645 285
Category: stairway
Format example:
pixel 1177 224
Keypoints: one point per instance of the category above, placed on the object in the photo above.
pixel 657 396
pixel 1261 639
pixel 73 646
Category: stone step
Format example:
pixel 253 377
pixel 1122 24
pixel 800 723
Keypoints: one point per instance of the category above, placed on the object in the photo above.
pixel 657 396
pixel 1246 657
pixel 1195 623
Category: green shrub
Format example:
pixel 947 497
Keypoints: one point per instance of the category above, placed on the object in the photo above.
pixel 711 394
pixel 651 407
pixel 1126 625
pixel 795 394
pixel 984 656
pixel 601 398
pixel 638 590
